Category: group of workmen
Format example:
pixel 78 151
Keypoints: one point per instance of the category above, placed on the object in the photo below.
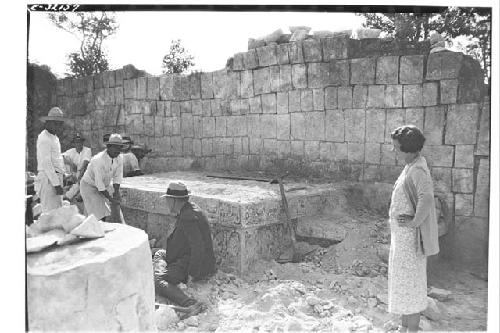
pixel 188 252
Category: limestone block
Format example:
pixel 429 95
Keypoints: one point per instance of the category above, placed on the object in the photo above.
pixel 176 142
pixel 461 124
pixel 325 150
pixel 111 283
pixel 376 96
pixel 284 149
pixel 360 96
pixel 215 106
pixel 315 126
pixel 331 98
pixel 262 81
pixel 483 139
pixel 250 60
pixel 196 108
pixel 206 108
pixel 206 85
pixel 268 126
pixel 275 78
pixel 472 235
pixel 219 83
pixel 236 126
pixel 187 146
pixel 449 91
pixel 256 145
pixel 295 52
pixel 220 126
pixel 185 87
pixel 339 72
pixel 355 125
pixel 441 178
pixel 142 87
pixel 166 88
pixel 318 99
pixel 298 126
pixel 312 50
pixel 439 155
pixel 311 149
pixel 372 153
pixel 153 88
pixel 299 78
pixel 119 76
pixel 394 119
pixel 415 116
pixel 463 180
pixel 444 65
pixel 412 95
pixel 198 127
pixel 387 154
pixel 176 125
pixel 393 96
pixel 482 194
pixel 255 104
pixel 434 125
pixel 306 100
pixel 375 122
pixel 267 55
pixel 270 146
pixel 206 146
pixel 282 102
pixel 344 97
pixel 334 125
pixel 134 124
pixel 283 126
pixel 355 152
pixel 239 106
pixel 430 92
pixel 268 103
pixel 195 85
pixel 227 245
pixel 464 156
pixel 238 64
pixel 387 70
pixel 98 83
pixel 464 204
pixel 118 95
pixel 158 121
pixel 285 78
pixel 335 48
pixel 100 99
pixel 339 151
pixel 294 101
pixel 282 54
pixel 185 107
pixel 149 125
pixel 362 71
pixel 317 74
pixel 411 69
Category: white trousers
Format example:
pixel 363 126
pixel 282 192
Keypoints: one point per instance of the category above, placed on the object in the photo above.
pixel 47 193
pixel 95 203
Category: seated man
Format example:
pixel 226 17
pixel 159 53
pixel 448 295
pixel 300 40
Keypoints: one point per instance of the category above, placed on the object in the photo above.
pixel 140 151
pixel 189 251
pixel 130 163
pixel 76 160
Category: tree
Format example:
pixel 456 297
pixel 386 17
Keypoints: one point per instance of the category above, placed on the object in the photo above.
pixel 177 60
pixel 91 29
pixel 472 23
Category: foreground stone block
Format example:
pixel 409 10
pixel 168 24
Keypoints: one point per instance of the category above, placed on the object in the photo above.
pixel 363 71
pixel 461 124
pixel 102 284
pixel 411 69
pixel 387 70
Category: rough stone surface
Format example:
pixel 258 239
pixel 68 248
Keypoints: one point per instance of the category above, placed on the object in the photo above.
pixel 412 95
pixel 483 139
pixel 461 124
pixel 463 180
pixel 111 284
pixel 464 205
pixel 449 91
pixel 344 97
pixel 394 96
pixel 482 194
pixel 430 91
pixel 376 96
pixel 472 235
pixel 438 155
pixel 464 156
pixel 363 71
pixel 339 72
pixel 355 120
pixel 434 125
pixel 411 69
pixel 387 70
pixel 375 119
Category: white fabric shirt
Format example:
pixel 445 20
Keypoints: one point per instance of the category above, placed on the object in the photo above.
pixel 49 158
pixel 78 158
pixel 102 169
pixel 130 163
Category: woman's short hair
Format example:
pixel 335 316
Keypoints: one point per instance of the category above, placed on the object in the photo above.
pixel 410 138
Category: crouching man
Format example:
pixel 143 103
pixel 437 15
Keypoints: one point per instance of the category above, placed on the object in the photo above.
pixel 188 254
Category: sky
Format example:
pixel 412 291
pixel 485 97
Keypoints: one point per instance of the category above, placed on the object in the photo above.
pixel 143 38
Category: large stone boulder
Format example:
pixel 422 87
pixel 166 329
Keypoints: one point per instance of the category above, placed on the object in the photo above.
pixel 105 284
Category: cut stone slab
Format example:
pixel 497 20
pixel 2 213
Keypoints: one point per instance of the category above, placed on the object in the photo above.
pixel 323 227
pixel 104 284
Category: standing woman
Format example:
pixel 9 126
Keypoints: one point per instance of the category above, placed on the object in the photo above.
pixel 414 230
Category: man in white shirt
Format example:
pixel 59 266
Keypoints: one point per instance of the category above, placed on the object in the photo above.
pixel 104 169
pixel 50 164
pixel 76 160
pixel 130 163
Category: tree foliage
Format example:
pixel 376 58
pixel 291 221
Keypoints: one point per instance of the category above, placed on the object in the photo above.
pixel 91 29
pixel 474 24
pixel 177 60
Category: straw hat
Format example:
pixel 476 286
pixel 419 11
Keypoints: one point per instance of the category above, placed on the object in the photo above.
pixel 115 139
pixel 176 190
pixel 55 114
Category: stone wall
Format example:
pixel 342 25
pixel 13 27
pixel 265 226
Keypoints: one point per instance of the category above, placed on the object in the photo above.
pixel 321 107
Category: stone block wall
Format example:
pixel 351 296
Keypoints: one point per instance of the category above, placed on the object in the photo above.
pixel 321 107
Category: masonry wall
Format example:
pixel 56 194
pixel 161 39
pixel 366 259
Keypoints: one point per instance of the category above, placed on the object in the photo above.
pixel 321 107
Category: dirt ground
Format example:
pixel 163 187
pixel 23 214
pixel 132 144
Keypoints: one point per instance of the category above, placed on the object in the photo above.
pixel 342 287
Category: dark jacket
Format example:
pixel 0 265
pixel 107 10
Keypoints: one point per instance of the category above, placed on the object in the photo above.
pixel 189 248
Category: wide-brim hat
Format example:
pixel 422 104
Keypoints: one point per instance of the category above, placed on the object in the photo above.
pixel 115 140
pixel 54 114
pixel 176 190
